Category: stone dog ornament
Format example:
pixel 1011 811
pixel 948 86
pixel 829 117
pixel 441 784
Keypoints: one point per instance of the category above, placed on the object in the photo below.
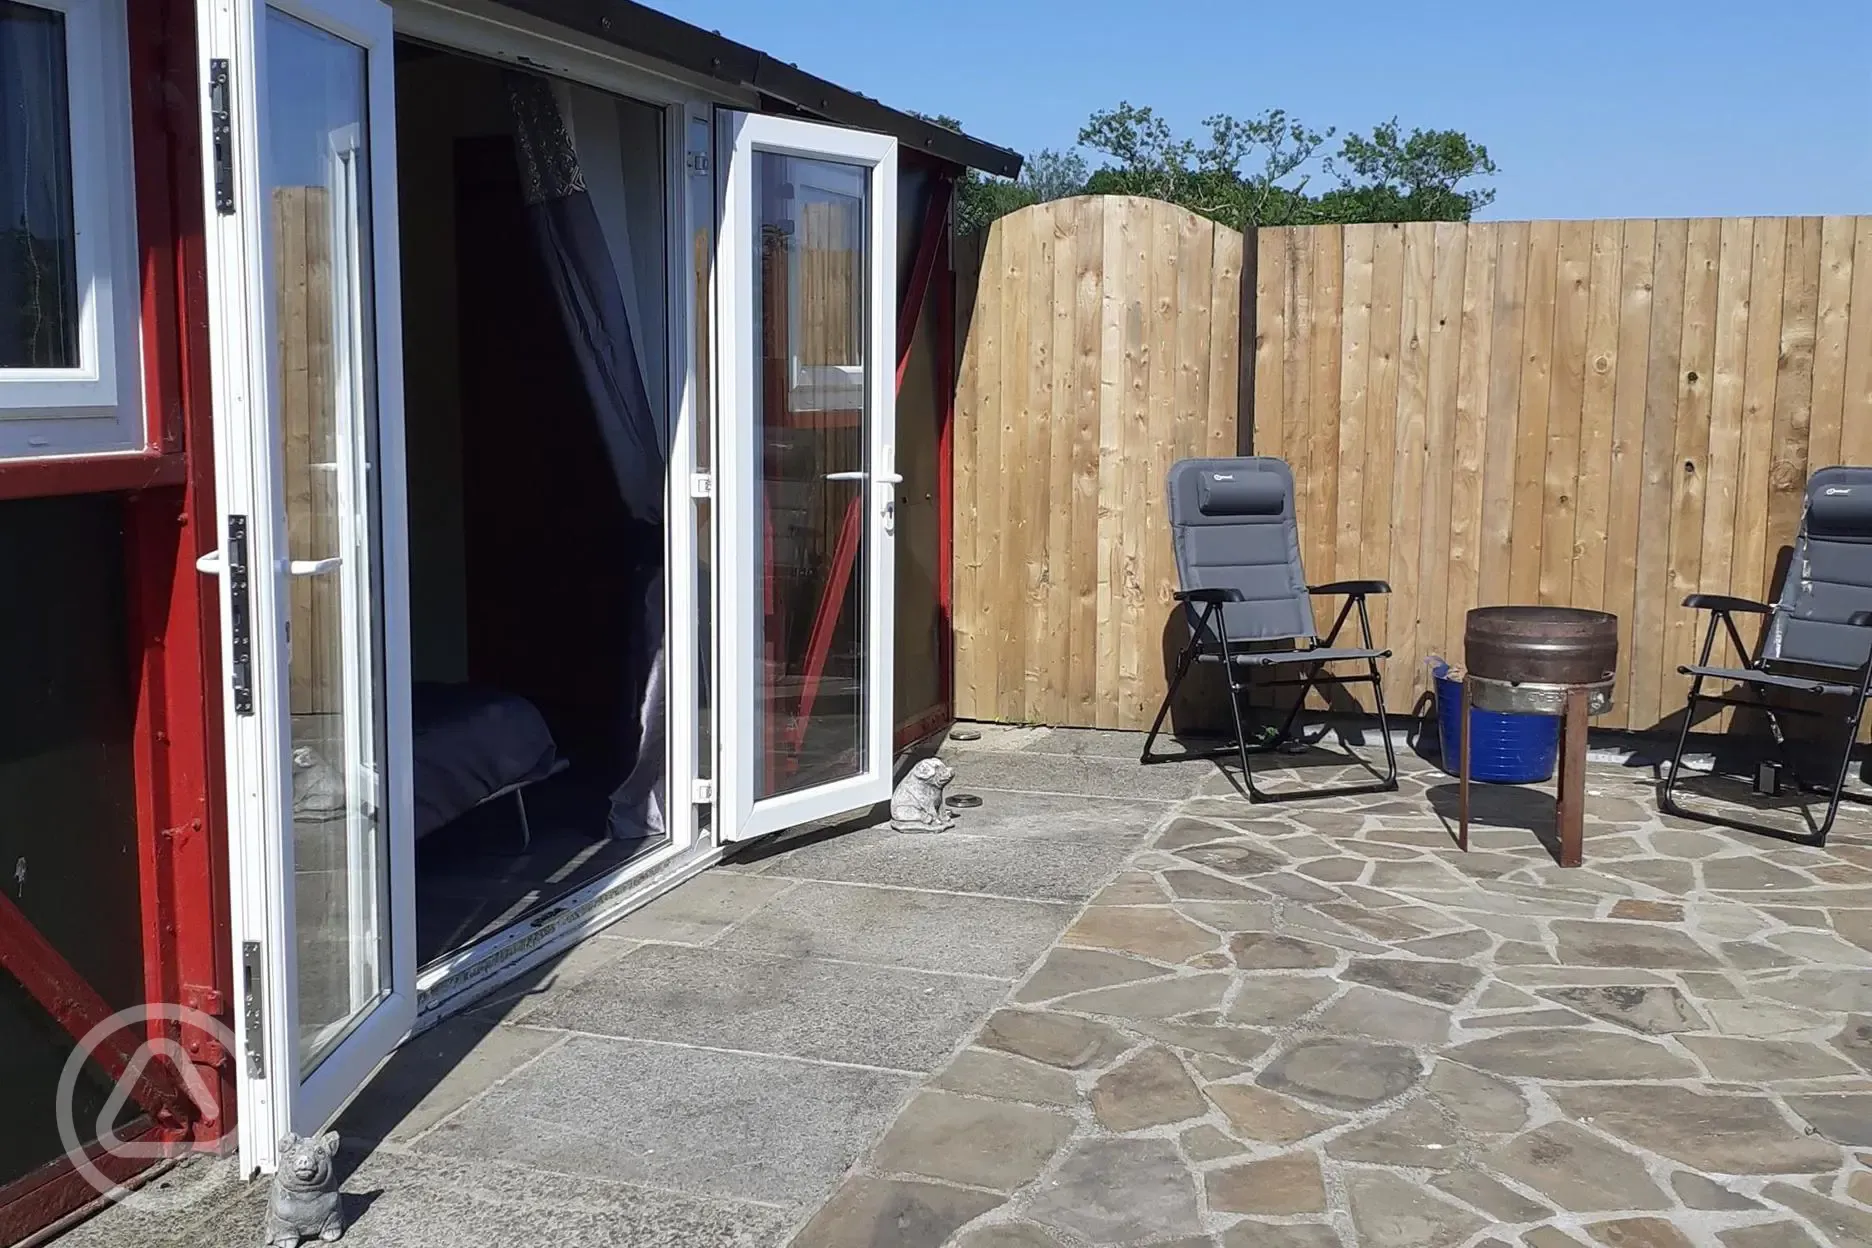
pixel 917 805
pixel 304 1202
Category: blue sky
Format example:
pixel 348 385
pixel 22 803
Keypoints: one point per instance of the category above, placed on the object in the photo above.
pixel 1593 108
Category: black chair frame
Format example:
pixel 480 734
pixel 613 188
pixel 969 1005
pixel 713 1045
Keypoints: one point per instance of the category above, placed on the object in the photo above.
pixel 1722 612
pixel 1234 655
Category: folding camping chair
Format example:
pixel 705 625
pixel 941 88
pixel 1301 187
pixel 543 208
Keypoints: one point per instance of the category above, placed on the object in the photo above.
pixel 1238 565
pixel 1818 642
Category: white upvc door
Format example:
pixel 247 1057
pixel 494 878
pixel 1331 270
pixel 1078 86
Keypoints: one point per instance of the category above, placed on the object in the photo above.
pixel 806 412
pixel 305 328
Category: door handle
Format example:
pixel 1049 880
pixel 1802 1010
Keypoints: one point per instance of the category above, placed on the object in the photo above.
pixel 882 478
pixel 314 567
pixel 214 563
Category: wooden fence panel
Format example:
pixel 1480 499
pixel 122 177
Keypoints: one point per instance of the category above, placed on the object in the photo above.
pixel 1102 347
pixel 1610 414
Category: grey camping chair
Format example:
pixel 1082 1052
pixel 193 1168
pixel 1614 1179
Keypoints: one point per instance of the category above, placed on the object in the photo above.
pixel 1238 568
pixel 1818 642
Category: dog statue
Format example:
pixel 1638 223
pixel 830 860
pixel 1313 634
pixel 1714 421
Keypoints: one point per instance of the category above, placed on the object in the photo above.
pixel 917 805
pixel 304 1202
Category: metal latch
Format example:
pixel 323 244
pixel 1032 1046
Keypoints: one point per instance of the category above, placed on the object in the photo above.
pixel 221 130
pixel 702 792
pixel 697 163
pixel 252 1017
pixel 234 564
pixel 701 485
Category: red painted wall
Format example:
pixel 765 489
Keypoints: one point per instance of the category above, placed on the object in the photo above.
pixel 172 625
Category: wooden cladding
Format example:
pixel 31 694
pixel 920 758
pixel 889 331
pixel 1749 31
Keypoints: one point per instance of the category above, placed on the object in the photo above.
pixel 1610 414
pixel 1102 348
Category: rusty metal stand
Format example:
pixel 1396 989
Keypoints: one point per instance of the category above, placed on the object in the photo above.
pixel 1462 826
pixel 1570 786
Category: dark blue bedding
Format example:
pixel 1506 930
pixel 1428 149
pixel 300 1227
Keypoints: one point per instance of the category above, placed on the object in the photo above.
pixel 471 742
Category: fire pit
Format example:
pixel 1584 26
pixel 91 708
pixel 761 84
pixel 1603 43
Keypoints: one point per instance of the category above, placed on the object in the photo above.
pixel 1542 661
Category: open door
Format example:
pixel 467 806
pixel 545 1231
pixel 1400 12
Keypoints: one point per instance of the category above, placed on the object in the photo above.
pixel 806 426
pixel 305 330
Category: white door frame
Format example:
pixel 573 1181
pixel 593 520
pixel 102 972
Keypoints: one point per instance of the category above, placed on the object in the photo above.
pixel 742 135
pixel 274 1098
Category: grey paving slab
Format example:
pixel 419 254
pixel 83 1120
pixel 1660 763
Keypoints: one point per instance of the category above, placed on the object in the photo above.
pixel 1081 775
pixel 1102 743
pixel 437 1073
pixel 1033 867
pixel 689 1120
pixel 699 909
pixel 399 1200
pixel 801 1007
pixel 1007 813
pixel 951 932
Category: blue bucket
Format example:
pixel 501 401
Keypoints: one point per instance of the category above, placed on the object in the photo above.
pixel 1506 749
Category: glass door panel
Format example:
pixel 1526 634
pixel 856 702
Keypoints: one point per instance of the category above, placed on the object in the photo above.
pixel 304 322
pixel 318 197
pixel 808 420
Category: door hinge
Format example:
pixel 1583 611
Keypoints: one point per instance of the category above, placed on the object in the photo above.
pixel 239 615
pixel 701 485
pixel 221 129
pixel 702 792
pixel 252 1015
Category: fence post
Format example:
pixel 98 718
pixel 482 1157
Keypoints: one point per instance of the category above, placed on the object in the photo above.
pixel 1248 342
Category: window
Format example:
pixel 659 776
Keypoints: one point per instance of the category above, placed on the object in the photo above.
pixel 825 253
pixel 68 290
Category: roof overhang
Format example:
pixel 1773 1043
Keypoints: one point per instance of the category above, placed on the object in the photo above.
pixel 647 32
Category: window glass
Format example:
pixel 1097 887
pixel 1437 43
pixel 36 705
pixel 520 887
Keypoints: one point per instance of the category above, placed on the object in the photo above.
pixel 39 309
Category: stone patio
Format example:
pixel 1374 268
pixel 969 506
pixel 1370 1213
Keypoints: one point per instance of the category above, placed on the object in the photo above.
pixel 1122 1006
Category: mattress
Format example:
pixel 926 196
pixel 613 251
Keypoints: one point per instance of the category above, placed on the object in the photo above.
pixel 471 742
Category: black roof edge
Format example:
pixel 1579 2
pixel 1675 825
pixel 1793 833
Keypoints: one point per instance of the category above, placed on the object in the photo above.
pixel 650 32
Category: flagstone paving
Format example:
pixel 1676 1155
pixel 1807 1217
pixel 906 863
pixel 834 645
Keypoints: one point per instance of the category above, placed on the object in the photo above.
pixel 1321 1025
pixel 1154 1015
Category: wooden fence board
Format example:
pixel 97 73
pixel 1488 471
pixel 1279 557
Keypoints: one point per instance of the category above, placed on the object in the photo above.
pixel 1499 440
pixel 1734 264
pixel 1381 413
pixel 1559 500
pixel 1832 319
pixel 1651 610
pixel 1531 425
pixel 1611 414
pixel 1599 388
pixel 1856 415
pixel 1472 396
pixel 1450 262
pixel 1692 443
pixel 1625 512
pixel 1354 380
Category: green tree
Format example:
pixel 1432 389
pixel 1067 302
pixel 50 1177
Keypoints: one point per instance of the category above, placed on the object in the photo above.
pixel 1252 171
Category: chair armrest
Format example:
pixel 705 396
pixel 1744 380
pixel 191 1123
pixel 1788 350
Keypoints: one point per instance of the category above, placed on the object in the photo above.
pixel 1351 587
pixel 1723 602
pixel 1209 596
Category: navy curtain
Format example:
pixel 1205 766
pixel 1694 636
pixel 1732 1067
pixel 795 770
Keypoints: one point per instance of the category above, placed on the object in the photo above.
pixel 591 301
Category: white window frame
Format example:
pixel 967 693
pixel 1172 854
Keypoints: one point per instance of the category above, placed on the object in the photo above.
pixel 96 406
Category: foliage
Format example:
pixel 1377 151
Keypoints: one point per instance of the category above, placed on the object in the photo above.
pixel 1249 171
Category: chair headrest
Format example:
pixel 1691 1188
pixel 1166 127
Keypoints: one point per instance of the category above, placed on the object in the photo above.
pixel 1839 503
pixel 1240 492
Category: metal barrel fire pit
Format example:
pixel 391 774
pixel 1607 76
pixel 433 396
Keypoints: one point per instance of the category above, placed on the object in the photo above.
pixel 1542 661
pixel 1526 659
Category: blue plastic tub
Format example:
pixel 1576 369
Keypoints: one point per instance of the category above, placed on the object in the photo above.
pixel 1506 749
